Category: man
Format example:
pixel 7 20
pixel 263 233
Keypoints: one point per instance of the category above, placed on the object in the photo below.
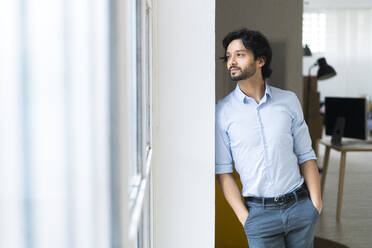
pixel 262 129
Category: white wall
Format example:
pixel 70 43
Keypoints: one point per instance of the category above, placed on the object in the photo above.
pixel 279 21
pixel 183 135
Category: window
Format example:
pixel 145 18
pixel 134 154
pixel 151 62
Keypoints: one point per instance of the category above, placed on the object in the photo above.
pixel 58 145
pixel 139 188
pixel 55 126
pixel 314 31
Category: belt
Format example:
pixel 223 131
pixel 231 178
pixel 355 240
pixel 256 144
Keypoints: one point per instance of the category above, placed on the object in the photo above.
pixel 301 193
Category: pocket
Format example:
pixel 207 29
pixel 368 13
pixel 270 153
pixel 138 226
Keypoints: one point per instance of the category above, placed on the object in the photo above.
pixel 313 207
pixel 250 210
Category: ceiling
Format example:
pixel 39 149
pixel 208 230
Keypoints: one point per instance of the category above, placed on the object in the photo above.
pixel 336 4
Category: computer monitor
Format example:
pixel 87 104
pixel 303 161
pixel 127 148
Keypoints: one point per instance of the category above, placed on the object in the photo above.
pixel 354 110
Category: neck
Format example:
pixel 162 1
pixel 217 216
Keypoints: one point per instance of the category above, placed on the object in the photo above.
pixel 253 87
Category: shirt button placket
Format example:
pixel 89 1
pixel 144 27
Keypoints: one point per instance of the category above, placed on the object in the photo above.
pixel 266 173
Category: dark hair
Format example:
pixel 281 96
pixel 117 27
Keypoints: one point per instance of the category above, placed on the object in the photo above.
pixel 255 42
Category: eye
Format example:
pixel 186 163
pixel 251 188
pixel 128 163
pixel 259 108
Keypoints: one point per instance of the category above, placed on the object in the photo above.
pixel 227 57
pixel 240 54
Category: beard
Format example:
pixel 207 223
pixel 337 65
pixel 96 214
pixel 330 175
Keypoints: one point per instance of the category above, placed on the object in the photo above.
pixel 248 72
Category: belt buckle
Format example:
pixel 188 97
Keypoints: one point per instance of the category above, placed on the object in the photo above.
pixel 279 200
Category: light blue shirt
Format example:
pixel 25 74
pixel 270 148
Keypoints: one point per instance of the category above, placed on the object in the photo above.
pixel 266 141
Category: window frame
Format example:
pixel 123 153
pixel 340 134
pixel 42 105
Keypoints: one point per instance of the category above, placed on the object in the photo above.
pixel 139 188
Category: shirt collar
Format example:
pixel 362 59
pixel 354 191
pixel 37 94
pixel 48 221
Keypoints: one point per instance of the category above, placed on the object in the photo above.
pixel 241 96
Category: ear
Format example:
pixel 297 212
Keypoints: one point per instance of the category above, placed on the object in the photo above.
pixel 261 61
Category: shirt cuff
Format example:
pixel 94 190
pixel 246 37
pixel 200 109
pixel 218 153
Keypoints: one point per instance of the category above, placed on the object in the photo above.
pixel 302 158
pixel 224 168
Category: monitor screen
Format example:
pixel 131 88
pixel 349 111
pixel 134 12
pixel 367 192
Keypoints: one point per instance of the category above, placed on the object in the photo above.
pixel 355 112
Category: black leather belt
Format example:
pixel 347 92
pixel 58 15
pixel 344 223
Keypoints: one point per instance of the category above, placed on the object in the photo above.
pixel 301 193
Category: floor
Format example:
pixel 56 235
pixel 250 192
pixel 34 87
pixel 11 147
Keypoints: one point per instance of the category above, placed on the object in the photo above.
pixel 354 228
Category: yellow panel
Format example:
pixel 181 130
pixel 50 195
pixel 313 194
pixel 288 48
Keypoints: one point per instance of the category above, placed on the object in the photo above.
pixel 229 231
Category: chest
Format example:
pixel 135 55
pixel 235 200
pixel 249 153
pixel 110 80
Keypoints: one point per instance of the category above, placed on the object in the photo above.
pixel 252 127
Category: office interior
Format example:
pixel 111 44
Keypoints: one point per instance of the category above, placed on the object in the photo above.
pixel 329 26
pixel 107 109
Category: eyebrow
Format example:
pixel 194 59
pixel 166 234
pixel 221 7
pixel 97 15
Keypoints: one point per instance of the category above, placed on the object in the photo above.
pixel 242 50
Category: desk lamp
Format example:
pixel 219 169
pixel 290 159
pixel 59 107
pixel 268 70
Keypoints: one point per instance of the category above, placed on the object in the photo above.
pixel 325 71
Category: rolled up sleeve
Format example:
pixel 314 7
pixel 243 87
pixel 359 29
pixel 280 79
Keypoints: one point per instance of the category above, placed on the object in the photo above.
pixel 300 132
pixel 223 157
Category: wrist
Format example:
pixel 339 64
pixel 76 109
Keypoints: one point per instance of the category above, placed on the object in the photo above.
pixel 318 204
pixel 317 201
pixel 316 198
pixel 243 217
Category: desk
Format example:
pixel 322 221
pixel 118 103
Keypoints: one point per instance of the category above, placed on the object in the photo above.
pixel 347 146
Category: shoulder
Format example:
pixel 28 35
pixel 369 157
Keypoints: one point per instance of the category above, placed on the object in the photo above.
pixel 284 94
pixel 286 97
pixel 223 105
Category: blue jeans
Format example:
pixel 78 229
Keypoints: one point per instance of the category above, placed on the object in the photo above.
pixel 291 225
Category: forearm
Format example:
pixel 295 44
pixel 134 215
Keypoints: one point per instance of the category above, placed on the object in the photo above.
pixel 309 171
pixel 232 194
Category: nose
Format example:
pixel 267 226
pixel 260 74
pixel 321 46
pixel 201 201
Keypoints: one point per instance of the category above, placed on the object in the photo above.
pixel 232 61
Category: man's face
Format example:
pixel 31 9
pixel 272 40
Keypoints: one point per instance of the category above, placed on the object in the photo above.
pixel 240 61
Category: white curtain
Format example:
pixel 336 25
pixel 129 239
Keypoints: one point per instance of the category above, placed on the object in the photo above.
pixel 54 124
pixel 349 50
